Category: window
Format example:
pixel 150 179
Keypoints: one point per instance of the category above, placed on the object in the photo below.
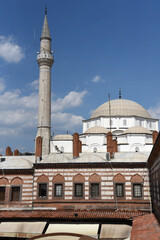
pixel 62 149
pixel 124 122
pixel 136 149
pixel 119 189
pixel 137 190
pixel 2 194
pixel 15 193
pixel 94 190
pixel 78 190
pixel 58 190
pixel 94 149
pixel 42 193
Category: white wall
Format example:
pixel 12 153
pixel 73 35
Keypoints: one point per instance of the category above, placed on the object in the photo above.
pixel 66 144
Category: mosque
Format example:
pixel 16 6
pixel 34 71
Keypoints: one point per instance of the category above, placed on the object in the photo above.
pixel 93 185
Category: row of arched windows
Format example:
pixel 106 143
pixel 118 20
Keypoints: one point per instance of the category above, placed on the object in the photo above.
pixel 94 186
pixel 78 186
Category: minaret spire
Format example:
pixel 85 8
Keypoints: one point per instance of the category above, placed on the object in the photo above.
pixel 45 30
pixel 45 61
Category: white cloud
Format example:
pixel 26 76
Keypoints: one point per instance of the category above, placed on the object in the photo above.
pixel 10 51
pixel 2 85
pixel 34 84
pixel 96 79
pixel 71 100
pixel 18 114
pixel 66 121
pixel 155 111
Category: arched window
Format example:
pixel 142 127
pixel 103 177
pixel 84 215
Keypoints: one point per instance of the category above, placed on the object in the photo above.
pixel 3 183
pixel 136 149
pixel 137 186
pixel 43 182
pixel 78 184
pixel 119 186
pixel 94 149
pixel 58 186
pixel 16 189
pixel 62 149
pixel 95 185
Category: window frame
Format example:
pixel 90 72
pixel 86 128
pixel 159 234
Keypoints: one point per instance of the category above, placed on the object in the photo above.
pixel 133 192
pixel 54 190
pixel 20 193
pixel 2 201
pixel 45 197
pixel 123 189
pixel 90 190
pixel 74 192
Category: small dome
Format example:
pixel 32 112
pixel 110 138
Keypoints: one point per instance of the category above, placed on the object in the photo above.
pixel 137 130
pixel 63 137
pixel 121 107
pixel 96 130
pixel 16 163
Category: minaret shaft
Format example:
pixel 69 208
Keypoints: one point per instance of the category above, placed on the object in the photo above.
pixel 45 61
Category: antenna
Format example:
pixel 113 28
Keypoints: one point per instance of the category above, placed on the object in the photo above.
pixel 119 93
pixel 109 112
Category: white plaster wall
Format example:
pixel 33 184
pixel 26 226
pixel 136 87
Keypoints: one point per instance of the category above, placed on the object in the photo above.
pixel 90 141
pixel 117 123
pixel 131 141
pixel 68 146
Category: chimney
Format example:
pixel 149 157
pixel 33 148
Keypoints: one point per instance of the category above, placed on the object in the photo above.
pixel 9 152
pixel 154 136
pixel 76 145
pixel 109 143
pixel 115 147
pixel 16 152
pixel 80 146
pixel 38 152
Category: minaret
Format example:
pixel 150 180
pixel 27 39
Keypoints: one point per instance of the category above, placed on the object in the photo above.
pixel 45 61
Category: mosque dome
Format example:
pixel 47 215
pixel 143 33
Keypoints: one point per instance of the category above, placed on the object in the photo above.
pixel 121 107
pixel 96 130
pixel 137 129
pixel 63 137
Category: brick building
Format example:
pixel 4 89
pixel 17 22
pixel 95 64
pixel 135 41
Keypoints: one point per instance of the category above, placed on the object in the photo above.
pixel 95 183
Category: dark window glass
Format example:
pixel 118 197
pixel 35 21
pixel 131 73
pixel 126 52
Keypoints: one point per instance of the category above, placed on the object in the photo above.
pixel 58 190
pixel 119 190
pixel 78 190
pixel 2 194
pixel 94 190
pixel 137 190
pixel 43 190
pixel 15 194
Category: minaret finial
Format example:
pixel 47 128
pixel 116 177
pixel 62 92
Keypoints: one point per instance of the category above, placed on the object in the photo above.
pixel 119 93
pixel 46 10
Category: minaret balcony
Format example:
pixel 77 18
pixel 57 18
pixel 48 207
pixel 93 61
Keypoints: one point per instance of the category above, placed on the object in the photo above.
pixel 45 59
pixel 45 55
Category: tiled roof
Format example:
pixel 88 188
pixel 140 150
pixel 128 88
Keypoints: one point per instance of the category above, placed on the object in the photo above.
pixel 69 214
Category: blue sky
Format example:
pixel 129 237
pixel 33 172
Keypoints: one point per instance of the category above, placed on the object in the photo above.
pixel 100 46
